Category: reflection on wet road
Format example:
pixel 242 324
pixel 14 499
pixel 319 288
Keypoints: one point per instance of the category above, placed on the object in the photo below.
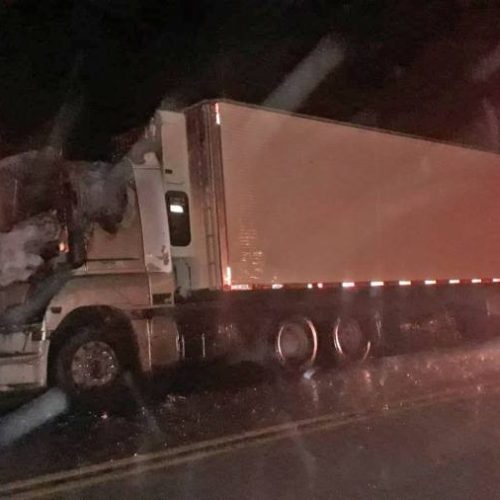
pixel 228 402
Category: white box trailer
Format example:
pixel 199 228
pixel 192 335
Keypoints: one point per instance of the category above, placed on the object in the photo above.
pixel 303 201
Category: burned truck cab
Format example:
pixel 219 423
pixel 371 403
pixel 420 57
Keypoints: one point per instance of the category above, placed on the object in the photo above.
pixel 94 306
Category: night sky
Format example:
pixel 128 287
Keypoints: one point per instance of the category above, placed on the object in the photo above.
pixel 95 70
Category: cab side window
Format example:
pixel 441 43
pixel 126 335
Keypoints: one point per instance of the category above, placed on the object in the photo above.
pixel 178 218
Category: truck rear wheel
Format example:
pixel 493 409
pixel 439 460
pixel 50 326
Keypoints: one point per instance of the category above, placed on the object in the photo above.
pixel 350 340
pixel 89 363
pixel 296 344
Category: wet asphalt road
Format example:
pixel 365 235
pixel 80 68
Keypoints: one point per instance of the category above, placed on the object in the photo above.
pixel 395 425
pixel 447 450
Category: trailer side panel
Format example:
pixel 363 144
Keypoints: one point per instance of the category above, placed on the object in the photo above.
pixel 315 201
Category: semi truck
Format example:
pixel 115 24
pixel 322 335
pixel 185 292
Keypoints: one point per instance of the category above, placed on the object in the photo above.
pixel 251 233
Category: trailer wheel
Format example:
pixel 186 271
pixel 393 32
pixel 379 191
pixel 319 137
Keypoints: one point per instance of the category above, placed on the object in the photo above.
pixel 296 344
pixel 89 363
pixel 350 340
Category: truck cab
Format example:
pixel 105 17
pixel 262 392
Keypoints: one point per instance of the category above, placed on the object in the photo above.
pixel 105 306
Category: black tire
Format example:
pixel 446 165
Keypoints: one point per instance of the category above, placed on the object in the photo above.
pixel 295 344
pixel 350 340
pixel 89 364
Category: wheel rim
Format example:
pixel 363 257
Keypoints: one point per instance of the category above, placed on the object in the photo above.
pixel 94 364
pixel 296 343
pixel 349 340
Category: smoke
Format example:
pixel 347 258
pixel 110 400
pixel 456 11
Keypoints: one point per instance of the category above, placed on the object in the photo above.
pixel 102 192
pixel 29 190
pixel 22 248
pixel 30 198
pixel 35 208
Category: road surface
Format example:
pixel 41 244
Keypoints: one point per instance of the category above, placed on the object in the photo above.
pixel 416 425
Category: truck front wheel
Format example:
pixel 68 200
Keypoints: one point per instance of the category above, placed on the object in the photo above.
pixel 88 363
